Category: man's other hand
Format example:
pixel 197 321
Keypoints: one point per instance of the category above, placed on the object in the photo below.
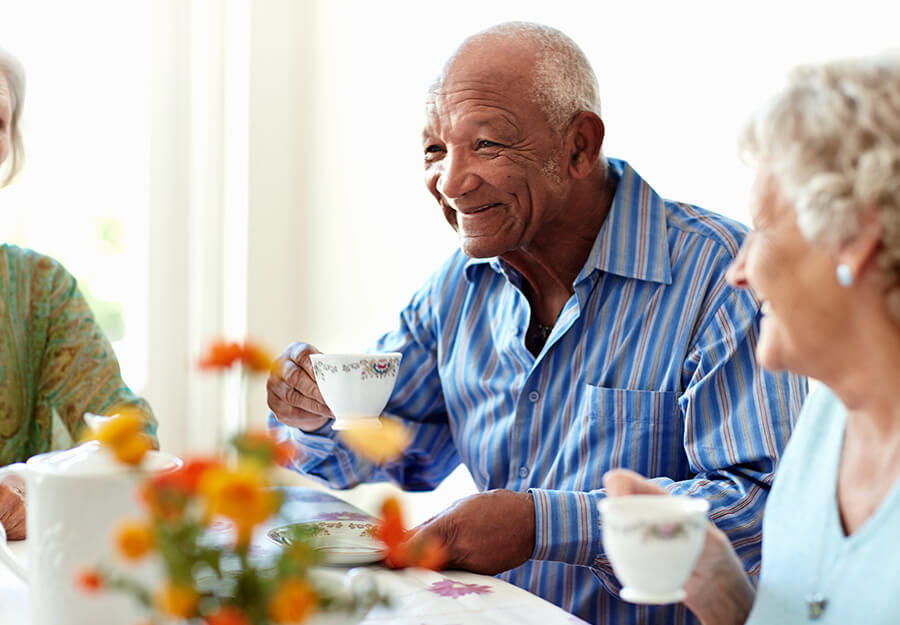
pixel 487 533
pixel 292 392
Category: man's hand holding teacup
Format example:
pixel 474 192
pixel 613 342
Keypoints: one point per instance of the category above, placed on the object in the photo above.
pixel 292 392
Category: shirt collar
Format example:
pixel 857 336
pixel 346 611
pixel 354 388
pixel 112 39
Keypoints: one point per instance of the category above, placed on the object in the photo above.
pixel 632 241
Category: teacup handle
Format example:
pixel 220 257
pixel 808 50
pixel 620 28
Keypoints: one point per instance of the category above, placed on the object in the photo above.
pixel 6 555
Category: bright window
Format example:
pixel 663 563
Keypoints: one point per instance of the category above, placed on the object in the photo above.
pixel 83 195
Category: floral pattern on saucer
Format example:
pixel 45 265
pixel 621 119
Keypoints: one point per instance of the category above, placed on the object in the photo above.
pixel 282 535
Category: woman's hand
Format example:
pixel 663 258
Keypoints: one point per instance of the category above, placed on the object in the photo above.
pixel 718 590
pixel 12 507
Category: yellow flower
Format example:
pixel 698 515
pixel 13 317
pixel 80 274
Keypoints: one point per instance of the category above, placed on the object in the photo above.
pixel 176 600
pixel 124 436
pixel 377 443
pixel 134 539
pixel 292 602
pixel 241 495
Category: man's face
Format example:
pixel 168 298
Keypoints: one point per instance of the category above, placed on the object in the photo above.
pixel 492 160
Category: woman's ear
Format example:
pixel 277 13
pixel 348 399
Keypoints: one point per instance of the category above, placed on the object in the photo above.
pixel 585 140
pixel 859 253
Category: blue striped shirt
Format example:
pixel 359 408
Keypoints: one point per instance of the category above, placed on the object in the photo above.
pixel 650 366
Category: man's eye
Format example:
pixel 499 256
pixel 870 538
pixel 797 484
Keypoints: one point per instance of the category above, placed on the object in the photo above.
pixel 431 149
pixel 484 143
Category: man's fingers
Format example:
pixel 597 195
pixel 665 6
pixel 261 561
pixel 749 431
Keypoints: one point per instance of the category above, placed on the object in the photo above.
pixel 295 417
pixel 279 389
pixel 298 353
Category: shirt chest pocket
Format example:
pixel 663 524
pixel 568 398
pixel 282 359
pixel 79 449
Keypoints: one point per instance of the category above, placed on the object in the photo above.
pixel 633 429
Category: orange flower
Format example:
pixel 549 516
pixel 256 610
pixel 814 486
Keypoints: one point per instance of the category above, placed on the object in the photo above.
pixel 427 554
pixel 292 602
pixel 124 435
pixel 89 580
pixel 401 551
pixel 376 442
pixel 256 357
pixel 227 615
pixel 241 495
pixel 260 445
pixel 221 354
pixel 134 539
pixel 177 600
pixel 390 529
pixel 166 494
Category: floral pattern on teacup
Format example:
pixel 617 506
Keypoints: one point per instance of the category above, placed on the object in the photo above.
pixel 666 530
pixel 369 368
pixel 319 369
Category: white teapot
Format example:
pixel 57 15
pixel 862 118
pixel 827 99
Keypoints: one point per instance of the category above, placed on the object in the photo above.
pixel 74 500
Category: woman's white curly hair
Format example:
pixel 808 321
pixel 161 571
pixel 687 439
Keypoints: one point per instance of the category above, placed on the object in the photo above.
pixel 831 137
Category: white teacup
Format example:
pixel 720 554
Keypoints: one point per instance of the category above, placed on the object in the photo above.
pixel 653 542
pixel 356 386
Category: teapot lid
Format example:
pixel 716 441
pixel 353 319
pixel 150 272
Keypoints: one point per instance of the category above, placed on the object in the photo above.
pixel 91 459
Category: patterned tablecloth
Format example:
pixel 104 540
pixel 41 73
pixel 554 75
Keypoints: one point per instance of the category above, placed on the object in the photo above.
pixel 418 597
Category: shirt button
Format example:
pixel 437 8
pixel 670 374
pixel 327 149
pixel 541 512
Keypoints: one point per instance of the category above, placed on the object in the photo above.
pixel 533 396
pixel 523 471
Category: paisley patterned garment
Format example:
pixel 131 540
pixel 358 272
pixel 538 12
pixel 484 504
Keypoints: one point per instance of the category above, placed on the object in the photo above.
pixel 55 362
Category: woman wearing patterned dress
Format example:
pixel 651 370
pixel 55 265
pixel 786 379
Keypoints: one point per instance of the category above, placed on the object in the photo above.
pixel 55 362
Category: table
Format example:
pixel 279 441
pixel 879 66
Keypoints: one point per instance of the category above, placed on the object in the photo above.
pixel 419 597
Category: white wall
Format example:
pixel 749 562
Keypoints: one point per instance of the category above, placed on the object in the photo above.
pixel 283 167
pixel 677 82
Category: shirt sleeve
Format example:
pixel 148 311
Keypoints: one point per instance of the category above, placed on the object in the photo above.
pixel 737 419
pixel 417 400
pixel 79 371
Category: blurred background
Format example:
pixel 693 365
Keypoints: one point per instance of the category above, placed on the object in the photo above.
pixel 238 168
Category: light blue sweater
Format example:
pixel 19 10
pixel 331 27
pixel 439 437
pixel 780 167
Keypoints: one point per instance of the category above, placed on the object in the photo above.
pixel 805 550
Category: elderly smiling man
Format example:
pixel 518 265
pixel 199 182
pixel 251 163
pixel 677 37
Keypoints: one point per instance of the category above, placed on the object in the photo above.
pixel 584 324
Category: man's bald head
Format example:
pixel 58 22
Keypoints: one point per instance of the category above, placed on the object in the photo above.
pixel 560 78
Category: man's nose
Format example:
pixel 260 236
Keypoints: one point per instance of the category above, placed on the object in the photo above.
pixel 456 177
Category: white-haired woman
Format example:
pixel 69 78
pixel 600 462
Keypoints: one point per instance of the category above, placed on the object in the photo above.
pixel 825 259
pixel 55 362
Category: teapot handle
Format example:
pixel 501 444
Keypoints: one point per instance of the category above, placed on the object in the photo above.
pixel 6 555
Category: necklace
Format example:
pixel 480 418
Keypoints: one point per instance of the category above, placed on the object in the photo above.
pixel 816 600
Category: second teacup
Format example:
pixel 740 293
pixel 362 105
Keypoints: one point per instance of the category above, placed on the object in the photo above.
pixel 652 542
pixel 356 387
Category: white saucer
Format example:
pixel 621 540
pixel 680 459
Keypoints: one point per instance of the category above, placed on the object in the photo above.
pixel 339 541
pixel 637 596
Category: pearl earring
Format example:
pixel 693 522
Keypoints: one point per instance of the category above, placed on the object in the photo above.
pixel 844 275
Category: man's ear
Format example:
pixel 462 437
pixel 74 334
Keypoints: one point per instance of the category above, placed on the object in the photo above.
pixel 584 142
pixel 859 253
